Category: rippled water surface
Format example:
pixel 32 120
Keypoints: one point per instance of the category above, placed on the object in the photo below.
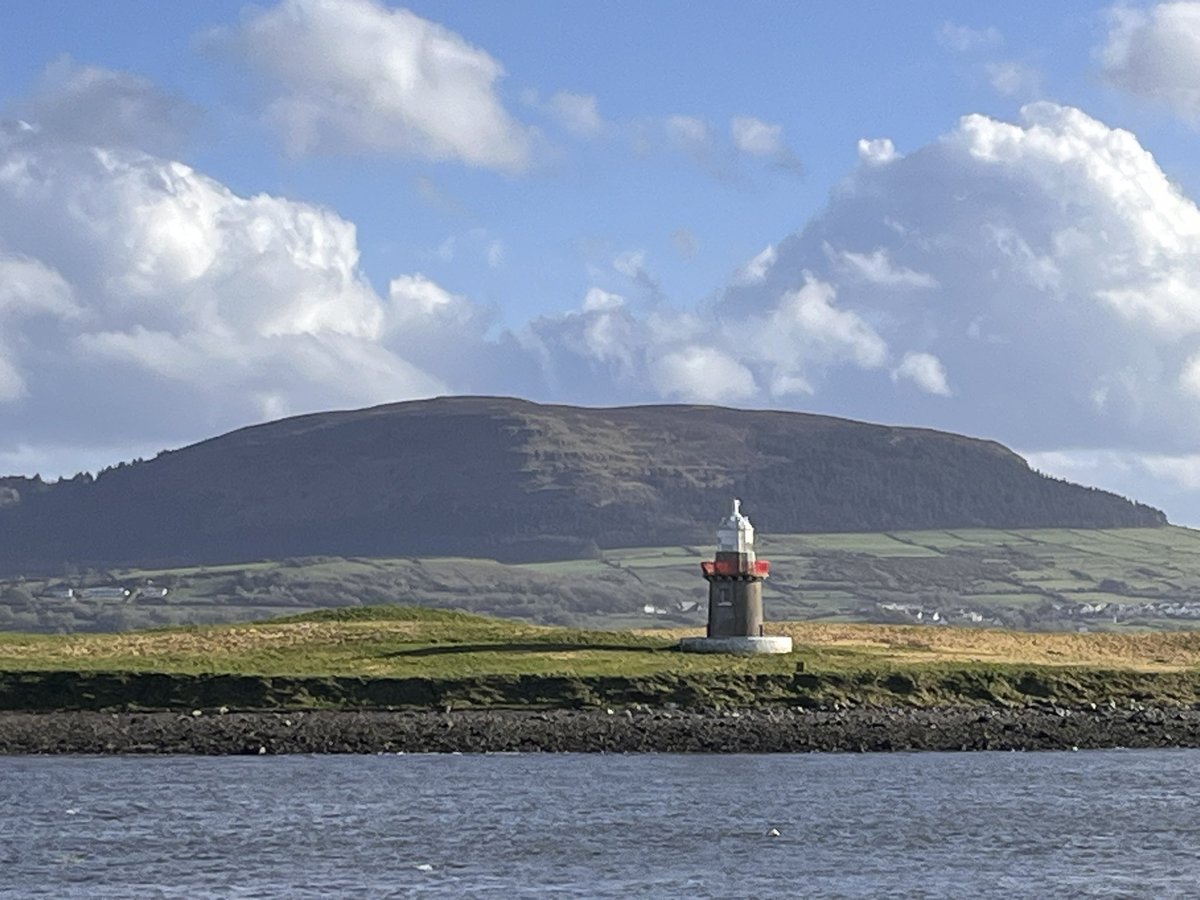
pixel 1110 823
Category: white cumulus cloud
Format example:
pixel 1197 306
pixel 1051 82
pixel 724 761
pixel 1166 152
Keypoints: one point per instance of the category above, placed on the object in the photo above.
pixel 877 268
pixel 702 374
pixel 925 371
pixel 1183 471
pixel 756 137
pixel 415 298
pixel 756 268
pixel 356 75
pixel 578 113
pixel 877 151
pixel 1048 265
pixel 1013 78
pixel 1189 376
pixel 598 300
pixel 808 325
pixel 139 295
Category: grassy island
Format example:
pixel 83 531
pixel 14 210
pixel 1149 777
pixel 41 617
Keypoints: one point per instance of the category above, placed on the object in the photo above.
pixel 416 658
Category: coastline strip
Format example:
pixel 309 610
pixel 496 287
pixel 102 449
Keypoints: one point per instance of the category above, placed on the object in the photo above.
pixel 629 730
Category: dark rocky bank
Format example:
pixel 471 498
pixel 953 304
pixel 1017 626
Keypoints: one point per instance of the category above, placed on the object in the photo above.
pixel 629 730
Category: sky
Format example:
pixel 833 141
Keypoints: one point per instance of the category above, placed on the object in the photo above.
pixel 979 218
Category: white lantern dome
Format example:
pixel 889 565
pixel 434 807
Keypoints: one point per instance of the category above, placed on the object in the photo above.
pixel 736 534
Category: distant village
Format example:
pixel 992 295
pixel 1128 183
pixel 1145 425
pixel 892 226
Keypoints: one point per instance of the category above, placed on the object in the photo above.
pixel 1052 611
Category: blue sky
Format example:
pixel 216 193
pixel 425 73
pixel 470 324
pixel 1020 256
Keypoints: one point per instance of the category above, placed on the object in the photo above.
pixel 976 217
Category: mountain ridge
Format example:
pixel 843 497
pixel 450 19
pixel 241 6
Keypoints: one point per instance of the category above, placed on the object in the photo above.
pixel 514 479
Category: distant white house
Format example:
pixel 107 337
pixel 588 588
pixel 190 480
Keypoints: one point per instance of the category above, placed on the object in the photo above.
pixel 683 606
pixel 100 593
pixel 113 592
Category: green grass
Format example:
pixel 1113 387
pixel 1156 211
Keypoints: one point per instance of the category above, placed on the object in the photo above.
pixel 393 642
pixel 407 656
pixel 400 641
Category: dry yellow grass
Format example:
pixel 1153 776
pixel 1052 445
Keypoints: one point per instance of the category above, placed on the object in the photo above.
pixel 387 645
pixel 221 641
pixel 1150 652
pixel 382 645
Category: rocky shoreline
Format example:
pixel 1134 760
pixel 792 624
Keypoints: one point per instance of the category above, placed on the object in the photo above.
pixel 628 730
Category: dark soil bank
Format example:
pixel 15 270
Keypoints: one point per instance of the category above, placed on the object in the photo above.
pixel 624 730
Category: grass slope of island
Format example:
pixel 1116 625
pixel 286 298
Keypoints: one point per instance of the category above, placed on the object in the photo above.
pixel 399 679
pixel 402 657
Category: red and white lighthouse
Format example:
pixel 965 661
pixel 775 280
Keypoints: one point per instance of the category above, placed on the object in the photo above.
pixel 735 605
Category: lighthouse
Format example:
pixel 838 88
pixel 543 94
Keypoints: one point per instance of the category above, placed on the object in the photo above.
pixel 735 606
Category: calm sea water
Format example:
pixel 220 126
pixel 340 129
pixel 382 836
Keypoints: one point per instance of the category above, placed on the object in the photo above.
pixel 1110 823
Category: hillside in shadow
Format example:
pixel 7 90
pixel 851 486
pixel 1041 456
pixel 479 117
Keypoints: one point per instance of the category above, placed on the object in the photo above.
pixel 514 480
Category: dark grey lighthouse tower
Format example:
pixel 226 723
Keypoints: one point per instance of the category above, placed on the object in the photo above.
pixel 735 604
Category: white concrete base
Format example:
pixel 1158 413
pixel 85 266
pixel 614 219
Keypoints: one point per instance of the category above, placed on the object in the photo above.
pixel 743 646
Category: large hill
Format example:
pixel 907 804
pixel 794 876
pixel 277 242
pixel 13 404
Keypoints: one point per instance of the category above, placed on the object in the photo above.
pixel 517 480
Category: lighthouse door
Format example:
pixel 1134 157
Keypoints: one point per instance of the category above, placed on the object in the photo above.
pixel 722 618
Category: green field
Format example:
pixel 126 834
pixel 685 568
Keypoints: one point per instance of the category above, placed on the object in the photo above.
pixel 405 657
pixel 414 641
pixel 1046 579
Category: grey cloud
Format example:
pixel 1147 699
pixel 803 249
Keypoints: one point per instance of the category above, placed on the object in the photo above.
pixel 579 114
pixel 1154 53
pixel 754 137
pixel 685 242
pixel 964 38
pixel 93 105
pixel 632 264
